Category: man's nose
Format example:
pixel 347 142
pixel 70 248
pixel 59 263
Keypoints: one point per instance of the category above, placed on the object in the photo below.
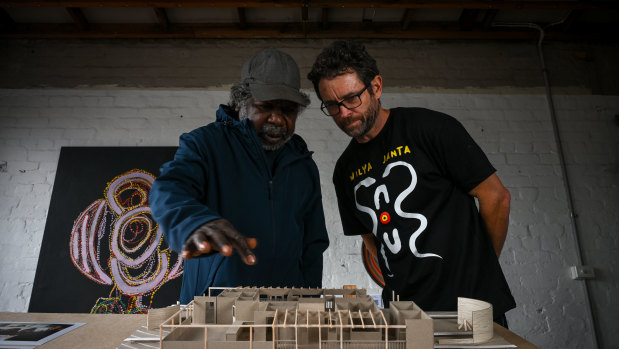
pixel 276 116
pixel 344 112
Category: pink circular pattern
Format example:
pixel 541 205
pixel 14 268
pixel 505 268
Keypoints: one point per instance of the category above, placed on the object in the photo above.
pixel 115 240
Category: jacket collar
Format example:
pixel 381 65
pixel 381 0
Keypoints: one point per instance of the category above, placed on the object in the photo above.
pixel 229 116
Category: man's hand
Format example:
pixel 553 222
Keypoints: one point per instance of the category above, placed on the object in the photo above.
pixel 219 235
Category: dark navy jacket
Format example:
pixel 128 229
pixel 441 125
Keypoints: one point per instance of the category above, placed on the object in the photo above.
pixel 221 170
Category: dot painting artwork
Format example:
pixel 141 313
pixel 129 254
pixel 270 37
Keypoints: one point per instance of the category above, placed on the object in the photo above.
pixel 102 251
pixel 137 265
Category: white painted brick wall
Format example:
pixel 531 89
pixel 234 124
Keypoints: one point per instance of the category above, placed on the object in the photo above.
pixel 515 131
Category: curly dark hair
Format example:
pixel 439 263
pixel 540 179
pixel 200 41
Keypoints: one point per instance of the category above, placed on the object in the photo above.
pixel 342 57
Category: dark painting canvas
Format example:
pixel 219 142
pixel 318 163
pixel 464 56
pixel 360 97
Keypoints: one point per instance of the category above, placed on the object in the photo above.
pixel 102 252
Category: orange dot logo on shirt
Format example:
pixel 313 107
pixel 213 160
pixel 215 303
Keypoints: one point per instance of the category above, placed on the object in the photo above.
pixel 385 218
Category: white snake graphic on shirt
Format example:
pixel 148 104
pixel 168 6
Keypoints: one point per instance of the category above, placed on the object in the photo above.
pixel 396 245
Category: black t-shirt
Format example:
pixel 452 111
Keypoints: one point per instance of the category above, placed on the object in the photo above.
pixel 409 187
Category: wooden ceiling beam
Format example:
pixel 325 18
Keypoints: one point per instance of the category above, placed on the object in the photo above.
pixel 242 18
pixel 413 4
pixel 467 19
pixel 294 31
pixel 6 21
pixel 324 18
pixel 305 16
pixel 148 3
pixel 407 18
pixel 162 17
pixel 472 4
pixel 78 17
pixel 489 19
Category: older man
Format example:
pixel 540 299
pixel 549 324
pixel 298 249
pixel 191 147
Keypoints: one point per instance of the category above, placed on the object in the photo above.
pixel 407 183
pixel 246 183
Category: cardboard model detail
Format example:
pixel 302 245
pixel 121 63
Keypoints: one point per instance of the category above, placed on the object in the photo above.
pixel 293 318
pixel 288 318
pixel 473 315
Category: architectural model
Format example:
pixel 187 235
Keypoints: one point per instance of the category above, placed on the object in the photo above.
pixel 292 318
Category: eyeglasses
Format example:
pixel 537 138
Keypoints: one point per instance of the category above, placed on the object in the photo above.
pixel 350 102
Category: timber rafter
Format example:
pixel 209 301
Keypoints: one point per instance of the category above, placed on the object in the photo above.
pixel 474 20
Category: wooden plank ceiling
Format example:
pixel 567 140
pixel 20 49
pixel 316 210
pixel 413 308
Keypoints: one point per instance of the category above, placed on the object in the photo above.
pixel 413 19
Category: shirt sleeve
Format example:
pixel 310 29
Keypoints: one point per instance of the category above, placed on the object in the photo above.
pixel 463 161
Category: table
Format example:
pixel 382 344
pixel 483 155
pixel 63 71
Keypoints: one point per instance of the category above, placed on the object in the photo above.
pixel 107 331
pixel 514 338
pixel 102 331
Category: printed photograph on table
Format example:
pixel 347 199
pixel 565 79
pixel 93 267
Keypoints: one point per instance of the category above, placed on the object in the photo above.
pixel 102 252
pixel 18 334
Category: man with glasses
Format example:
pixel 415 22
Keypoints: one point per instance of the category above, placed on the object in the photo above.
pixel 246 183
pixel 407 183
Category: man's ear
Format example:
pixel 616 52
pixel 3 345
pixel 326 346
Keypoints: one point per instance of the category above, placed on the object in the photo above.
pixel 377 86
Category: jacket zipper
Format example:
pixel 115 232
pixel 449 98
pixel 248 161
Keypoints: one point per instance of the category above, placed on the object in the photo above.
pixel 272 224
pixel 261 154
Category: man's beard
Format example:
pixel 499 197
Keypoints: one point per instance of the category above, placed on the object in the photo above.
pixel 273 130
pixel 367 122
pixel 268 129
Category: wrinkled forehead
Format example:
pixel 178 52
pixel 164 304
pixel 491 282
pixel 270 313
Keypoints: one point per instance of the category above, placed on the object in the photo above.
pixel 339 86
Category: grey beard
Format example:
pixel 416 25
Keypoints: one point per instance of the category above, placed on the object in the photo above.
pixel 274 130
pixel 267 128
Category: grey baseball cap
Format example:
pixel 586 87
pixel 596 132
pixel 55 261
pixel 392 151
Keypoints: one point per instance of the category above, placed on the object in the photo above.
pixel 272 74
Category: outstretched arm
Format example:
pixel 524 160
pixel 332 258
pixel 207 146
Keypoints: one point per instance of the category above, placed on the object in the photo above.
pixel 191 228
pixel 494 200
